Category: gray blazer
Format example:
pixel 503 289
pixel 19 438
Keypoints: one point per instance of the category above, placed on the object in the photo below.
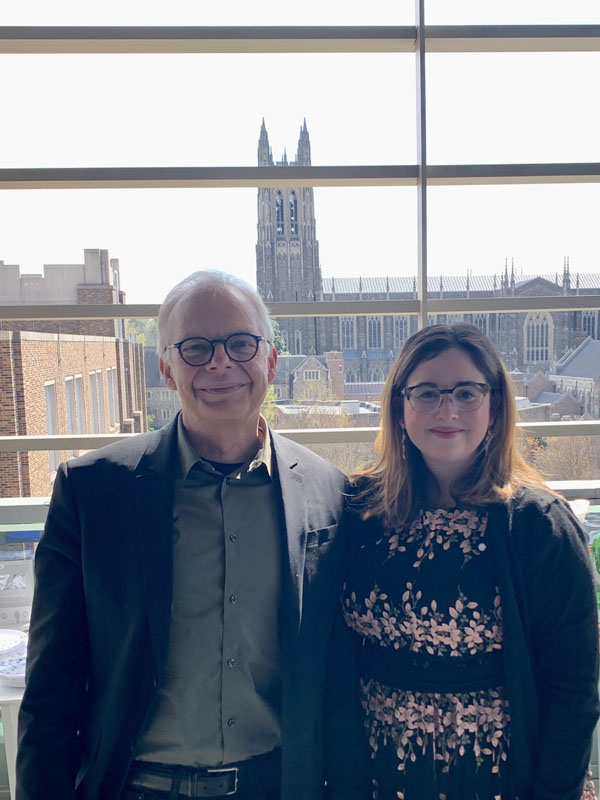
pixel 101 614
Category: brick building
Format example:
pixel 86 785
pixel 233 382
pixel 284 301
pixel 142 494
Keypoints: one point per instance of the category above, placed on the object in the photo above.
pixel 64 377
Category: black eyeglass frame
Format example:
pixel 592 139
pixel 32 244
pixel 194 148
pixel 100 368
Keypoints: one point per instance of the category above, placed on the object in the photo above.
pixel 484 387
pixel 212 342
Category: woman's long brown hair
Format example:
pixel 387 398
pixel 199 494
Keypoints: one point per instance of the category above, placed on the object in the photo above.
pixel 395 487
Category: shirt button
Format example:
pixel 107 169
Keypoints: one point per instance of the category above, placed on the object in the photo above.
pixel 233 598
pixel 230 722
pixel 228 481
pixel 231 662
pixel 233 537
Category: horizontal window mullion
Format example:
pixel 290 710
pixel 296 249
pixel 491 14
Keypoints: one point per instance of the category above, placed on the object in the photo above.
pixel 60 312
pixel 511 38
pixel 526 173
pixel 298 39
pixel 307 436
pixel 206 177
pixel 326 308
pixel 281 177
pixel 27 510
pixel 471 305
pixel 209 39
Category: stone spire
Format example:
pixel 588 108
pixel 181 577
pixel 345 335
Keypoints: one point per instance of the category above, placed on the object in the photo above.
pixel 265 157
pixel 303 154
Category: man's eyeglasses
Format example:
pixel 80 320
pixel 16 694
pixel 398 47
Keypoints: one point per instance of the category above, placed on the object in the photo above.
pixel 197 351
pixel 466 396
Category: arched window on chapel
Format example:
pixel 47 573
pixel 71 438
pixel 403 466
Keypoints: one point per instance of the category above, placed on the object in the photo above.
pixel 279 213
pixel 538 336
pixel 374 332
pixel 348 333
pixel 589 323
pixel 293 214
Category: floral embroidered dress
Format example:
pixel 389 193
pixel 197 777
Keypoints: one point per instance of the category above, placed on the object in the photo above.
pixel 429 616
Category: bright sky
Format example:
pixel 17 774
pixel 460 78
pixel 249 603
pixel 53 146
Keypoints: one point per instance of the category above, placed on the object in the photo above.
pixel 204 110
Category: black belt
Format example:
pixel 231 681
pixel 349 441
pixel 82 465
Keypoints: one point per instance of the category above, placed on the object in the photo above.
pixel 420 672
pixel 201 781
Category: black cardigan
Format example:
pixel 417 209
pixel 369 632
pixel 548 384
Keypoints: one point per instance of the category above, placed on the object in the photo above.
pixel 550 624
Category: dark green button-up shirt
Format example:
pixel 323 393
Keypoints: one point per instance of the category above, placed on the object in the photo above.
pixel 220 699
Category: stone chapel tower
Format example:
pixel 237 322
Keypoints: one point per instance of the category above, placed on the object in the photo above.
pixel 287 250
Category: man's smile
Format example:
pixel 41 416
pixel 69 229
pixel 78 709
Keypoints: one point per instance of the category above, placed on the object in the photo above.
pixel 227 389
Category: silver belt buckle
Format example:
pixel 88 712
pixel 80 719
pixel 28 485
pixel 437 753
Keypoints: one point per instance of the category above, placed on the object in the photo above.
pixel 223 772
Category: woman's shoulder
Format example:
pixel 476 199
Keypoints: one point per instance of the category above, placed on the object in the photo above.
pixel 540 514
pixel 534 498
pixel 537 500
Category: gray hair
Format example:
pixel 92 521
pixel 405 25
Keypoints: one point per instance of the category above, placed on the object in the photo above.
pixel 211 280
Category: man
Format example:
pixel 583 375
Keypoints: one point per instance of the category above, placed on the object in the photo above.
pixel 185 637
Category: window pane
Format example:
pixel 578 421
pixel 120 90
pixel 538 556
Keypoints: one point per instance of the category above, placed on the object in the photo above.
pixel 347 457
pixel 564 458
pixel 205 110
pixel 160 236
pixel 192 12
pixel 512 107
pixel 475 228
pixel 512 12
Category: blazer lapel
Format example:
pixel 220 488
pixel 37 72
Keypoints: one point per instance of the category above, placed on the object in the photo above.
pixel 294 511
pixel 154 520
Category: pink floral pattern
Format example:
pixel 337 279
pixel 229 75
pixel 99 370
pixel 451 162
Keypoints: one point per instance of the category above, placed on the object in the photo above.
pixel 429 589
pixel 444 726
pixel 422 627
pixel 444 527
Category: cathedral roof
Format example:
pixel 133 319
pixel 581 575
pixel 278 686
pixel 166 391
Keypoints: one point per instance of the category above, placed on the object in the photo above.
pixel 450 283
pixel 549 397
pixel 363 387
pixel 584 362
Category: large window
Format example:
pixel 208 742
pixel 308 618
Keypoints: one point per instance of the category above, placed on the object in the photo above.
pixel 401 330
pixel 503 204
pixel 589 323
pixel 374 338
pixel 481 321
pixel 538 334
pixel 348 333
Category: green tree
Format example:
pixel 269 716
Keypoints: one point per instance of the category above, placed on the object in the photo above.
pixel 269 405
pixel 144 330
pixel 278 340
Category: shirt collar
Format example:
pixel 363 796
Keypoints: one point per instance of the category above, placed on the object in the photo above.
pixel 188 457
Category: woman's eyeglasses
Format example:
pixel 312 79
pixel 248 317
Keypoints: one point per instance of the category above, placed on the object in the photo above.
pixel 426 398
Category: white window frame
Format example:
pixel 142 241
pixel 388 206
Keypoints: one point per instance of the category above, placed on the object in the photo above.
pixel 94 402
pixel 312 374
pixel 410 39
pixel 51 420
pixel 80 403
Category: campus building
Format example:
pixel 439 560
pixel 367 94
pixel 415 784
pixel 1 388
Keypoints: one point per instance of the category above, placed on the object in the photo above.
pixel 67 376
pixel 288 269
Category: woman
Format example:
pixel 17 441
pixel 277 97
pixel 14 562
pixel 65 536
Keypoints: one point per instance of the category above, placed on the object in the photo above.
pixel 470 591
